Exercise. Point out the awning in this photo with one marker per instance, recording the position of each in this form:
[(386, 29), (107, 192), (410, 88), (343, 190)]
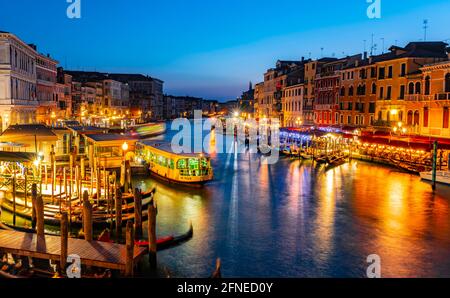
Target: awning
[(17, 156)]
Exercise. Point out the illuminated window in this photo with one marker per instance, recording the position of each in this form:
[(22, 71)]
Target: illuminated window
[(193, 164), (181, 164)]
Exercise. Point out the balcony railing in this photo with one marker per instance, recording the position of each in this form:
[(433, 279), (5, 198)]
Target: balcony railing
[(443, 96), (421, 97)]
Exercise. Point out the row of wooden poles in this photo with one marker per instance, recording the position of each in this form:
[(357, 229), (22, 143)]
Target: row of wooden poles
[(73, 179), (132, 231)]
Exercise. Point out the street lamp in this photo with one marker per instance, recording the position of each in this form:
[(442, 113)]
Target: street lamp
[(125, 146)]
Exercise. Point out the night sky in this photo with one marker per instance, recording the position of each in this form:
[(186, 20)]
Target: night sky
[(213, 48)]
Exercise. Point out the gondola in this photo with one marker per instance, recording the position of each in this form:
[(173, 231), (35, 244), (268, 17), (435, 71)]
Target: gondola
[(99, 221), (335, 161), (101, 217), (169, 241), (321, 159), (161, 243)]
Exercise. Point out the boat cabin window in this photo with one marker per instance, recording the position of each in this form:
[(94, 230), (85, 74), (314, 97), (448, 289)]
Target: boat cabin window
[(181, 164), (193, 164), (194, 167)]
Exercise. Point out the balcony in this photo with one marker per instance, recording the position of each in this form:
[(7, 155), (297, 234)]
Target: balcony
[(443, 96), (420, 97)]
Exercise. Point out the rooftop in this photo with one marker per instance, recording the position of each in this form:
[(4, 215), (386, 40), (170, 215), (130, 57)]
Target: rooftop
[(167, 147), (38, 130), (108, 137)]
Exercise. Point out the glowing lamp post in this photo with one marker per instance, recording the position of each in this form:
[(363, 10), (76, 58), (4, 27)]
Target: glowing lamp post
[(125, 148)]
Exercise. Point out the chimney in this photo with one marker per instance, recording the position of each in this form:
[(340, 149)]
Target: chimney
[(370, 60), (303, 59), (365, 55), (33, 46)]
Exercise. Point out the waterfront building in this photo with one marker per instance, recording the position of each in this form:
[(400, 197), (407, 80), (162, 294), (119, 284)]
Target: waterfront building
[(116, 97), (185, 106), (146, 95), (327, 87), (247, 103), (64, 94), (258, 100), (293, 103), (83, 98), (229, 107), (427, 114), (140, 96), (398, 78), (285, 73), (311, 70), (32, 138), (111, 149), (18, 99), (358, 93), (46, 73)]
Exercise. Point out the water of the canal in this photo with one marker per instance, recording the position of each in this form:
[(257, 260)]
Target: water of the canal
[(292, 220)]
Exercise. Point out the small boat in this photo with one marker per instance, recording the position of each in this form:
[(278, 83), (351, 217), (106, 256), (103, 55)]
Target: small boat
[(169, 241), (441, 176), (408, 167), (321, 159), (161, 243), (335, 161), (149, 130), (98, 221), (306, 156)]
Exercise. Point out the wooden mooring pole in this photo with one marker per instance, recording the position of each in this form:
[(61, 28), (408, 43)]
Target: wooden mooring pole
[(87, 217), (64, 242), (14, 198), (118, 214), (435, 156), (138, 213), (129, 263), (33, 203), (40, 217), (152, 234)]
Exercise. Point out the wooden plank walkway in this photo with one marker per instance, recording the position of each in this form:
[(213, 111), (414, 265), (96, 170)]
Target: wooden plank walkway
[(97, 254)]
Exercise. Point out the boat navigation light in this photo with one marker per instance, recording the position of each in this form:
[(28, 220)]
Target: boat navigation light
[(125, 146)]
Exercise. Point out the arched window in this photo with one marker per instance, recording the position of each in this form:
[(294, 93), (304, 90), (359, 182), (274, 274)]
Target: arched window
[(427, 85), (416, 118), (350, 91), (411, 88), (447, 82), (410, 118), (374, 88), (418, 88), (343, 91)]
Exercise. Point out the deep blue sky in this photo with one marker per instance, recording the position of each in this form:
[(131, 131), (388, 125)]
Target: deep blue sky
[(213, 48)]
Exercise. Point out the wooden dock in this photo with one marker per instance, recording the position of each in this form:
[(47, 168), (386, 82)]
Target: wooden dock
[(93, 253)]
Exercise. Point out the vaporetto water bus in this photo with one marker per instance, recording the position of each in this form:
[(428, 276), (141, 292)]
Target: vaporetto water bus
[(185, 168)]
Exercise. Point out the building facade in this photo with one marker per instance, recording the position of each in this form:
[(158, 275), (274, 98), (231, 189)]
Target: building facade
[(293, 104), (399, 79), (46, 74), (18, 98), (427, 113)]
